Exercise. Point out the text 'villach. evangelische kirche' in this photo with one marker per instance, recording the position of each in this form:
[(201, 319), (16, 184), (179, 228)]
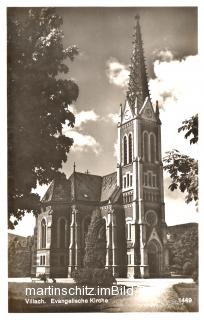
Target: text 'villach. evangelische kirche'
[(131, 200)]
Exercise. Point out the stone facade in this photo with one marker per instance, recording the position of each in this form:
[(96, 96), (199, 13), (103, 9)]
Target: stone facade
[(131, 200)]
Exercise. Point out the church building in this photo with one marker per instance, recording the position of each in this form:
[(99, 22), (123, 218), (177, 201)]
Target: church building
[(130, 200)]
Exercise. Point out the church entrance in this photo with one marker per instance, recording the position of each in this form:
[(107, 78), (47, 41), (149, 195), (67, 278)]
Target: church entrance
[(153, 250)]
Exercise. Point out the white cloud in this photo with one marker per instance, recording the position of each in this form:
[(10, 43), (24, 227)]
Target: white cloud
[(83, 116), (117, 72), (82, 142), (116, 151), (164, 55), (176, 87), (114, 117)]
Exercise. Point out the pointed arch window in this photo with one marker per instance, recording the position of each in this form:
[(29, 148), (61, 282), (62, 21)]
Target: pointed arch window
[(43, 233), (145, 146), (130, 147), (152, 147), (125, 149)]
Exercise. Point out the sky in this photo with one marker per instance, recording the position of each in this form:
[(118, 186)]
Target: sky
[(104, 39)]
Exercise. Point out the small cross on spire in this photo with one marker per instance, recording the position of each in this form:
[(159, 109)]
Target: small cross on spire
[(74, 166)]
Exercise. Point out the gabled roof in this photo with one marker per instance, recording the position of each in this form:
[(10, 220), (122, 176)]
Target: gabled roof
[(59, 190), (84, 187), (109, 184), (87, 186)]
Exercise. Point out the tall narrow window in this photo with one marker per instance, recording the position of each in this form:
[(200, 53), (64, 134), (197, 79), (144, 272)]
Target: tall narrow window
[(129, 231), (152, 148), (130, 147), (145, 179), (145, 146), (43, 234), (125, 149), (131, 180), (62, 233), (128, 180), (150, 179), (129, 259), (154, 181), (124, 182)]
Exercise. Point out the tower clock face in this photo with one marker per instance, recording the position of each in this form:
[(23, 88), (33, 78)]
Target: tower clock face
[(148, 113), (127, 115)]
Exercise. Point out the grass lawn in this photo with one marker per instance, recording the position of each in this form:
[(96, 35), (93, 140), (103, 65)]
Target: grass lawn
[(188, 290)]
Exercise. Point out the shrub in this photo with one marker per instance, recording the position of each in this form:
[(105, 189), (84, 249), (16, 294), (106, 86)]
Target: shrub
[(95, 277), (187, 268), (43, 277)]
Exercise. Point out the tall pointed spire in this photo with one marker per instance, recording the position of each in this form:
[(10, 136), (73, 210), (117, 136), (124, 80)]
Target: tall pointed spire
[(138, 84)]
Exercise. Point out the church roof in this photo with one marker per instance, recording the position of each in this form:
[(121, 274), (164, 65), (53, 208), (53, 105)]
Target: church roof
[(87, 186), (83, 187), (109, 185), (59, 190)]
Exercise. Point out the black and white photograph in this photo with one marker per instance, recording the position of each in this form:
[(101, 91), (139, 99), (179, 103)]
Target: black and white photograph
[(102, 158)]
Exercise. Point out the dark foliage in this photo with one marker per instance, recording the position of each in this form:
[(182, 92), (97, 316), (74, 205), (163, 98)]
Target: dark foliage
[(183, 249), (191, 126), (37, 105), (183, 170)]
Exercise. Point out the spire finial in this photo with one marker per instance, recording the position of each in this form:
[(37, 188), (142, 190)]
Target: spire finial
[(157, 107), (74, 166)]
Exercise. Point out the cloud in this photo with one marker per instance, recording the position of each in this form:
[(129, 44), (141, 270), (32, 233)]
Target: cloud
[(83, 142), (83, 116), (176, 87), (164, 55), (116, 151), (114, 117), (117, 72)]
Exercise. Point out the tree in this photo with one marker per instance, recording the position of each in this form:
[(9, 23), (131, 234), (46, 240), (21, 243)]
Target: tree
[(183, 246), (95, 249), (183, 169), (38, 102)]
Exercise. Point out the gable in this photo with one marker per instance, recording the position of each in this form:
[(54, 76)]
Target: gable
[(147, 111), (154, 236), (127, 113)]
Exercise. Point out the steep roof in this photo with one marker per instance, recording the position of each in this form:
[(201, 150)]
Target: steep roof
[(59, 190), (83, 187), (109, 184), (87, 186)]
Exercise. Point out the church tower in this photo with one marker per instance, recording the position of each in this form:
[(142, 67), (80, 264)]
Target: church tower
[(140, 172)]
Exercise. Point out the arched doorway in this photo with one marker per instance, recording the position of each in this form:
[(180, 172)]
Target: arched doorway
[(154, 252)]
